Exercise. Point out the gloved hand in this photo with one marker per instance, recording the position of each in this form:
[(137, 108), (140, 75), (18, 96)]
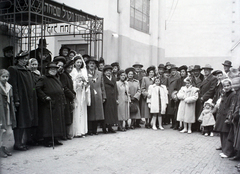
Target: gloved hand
[(48, 98)]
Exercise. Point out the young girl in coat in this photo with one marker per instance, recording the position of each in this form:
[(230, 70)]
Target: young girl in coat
[(157, 102), (188, 96), (7, 111), (207, 118)]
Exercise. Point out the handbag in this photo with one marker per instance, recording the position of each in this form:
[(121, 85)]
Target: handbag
[(133, 108)]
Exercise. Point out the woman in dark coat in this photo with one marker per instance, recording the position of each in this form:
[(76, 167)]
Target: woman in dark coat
[(67, 84), (224, 111), (25, 99), (110, 105), (50, 90)]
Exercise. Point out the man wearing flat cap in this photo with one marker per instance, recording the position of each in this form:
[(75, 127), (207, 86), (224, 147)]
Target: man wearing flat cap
[(44, 57), (7, 60)]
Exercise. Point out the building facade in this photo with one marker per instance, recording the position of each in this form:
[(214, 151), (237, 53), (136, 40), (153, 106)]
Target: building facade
[(133, 30)]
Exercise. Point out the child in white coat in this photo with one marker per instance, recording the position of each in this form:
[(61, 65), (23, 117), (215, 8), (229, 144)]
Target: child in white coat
[(157, 102), (207, 118)]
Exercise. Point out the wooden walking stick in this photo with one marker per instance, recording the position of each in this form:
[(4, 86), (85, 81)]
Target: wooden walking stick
[(50, 103)]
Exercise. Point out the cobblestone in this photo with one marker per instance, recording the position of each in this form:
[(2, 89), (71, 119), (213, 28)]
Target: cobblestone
[(139, 151)]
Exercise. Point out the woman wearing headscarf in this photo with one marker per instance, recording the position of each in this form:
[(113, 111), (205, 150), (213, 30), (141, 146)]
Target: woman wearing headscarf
[(51, 99), (81, 88), (25, 99), (70, 95), (146, 82)]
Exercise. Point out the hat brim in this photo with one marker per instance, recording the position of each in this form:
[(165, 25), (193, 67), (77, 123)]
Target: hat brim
[(138, 65), (89, 60), (226, 65), (207, 68)]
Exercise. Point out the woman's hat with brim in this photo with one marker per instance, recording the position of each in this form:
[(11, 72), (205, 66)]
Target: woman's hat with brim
[(101, 60), (216, 72), (183, 67), (91, 59), (197, 67), (106, 67), (22, 54), (209, 101), (207, 66), (115, 64), (129, 69), (151, 68), (59, 59), (137, 64), (227, 63), (51, 65), (69, 63)]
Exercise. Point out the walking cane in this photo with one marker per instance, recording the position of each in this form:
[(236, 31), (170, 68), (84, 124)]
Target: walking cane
[(50, 103)]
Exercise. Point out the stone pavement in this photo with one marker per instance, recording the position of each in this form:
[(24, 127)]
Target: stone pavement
[(139, 151)]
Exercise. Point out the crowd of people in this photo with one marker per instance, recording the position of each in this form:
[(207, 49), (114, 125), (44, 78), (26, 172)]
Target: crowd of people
[(45, 100)]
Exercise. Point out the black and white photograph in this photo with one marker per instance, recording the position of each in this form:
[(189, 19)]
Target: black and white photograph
[(119, 86)]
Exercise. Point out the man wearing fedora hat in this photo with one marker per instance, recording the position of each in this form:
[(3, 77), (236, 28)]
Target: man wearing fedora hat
[(172, 86), (25, 98), (160, 73), (42, 54), (7, 60), (197, 77), (206, 91), (227, 66)]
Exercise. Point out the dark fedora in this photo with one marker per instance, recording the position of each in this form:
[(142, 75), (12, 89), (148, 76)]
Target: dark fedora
[(59, 58), (183, 67), (8, 48), (52, 65), (174, 67), (227, 63), (22, 54), (197, 67), (207, 66), (216, 72), (69, 63), (161, 66), (106, 67), (115, 64), (137, 64), (91, 59), (151, 68), (129, 69), (42, 41)]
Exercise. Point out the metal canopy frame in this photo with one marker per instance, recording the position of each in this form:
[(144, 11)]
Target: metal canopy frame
[(26, 21)]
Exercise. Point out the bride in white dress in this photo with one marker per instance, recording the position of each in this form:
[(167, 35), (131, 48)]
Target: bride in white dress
[(82, 100)]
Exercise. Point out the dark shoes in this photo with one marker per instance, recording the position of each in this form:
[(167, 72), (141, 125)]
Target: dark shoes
[(20, 147), (235, 158), (56, 142), (2, 154), (219, 148)]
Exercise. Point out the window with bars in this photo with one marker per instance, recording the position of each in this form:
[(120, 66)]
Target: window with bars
[(139, 15)]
